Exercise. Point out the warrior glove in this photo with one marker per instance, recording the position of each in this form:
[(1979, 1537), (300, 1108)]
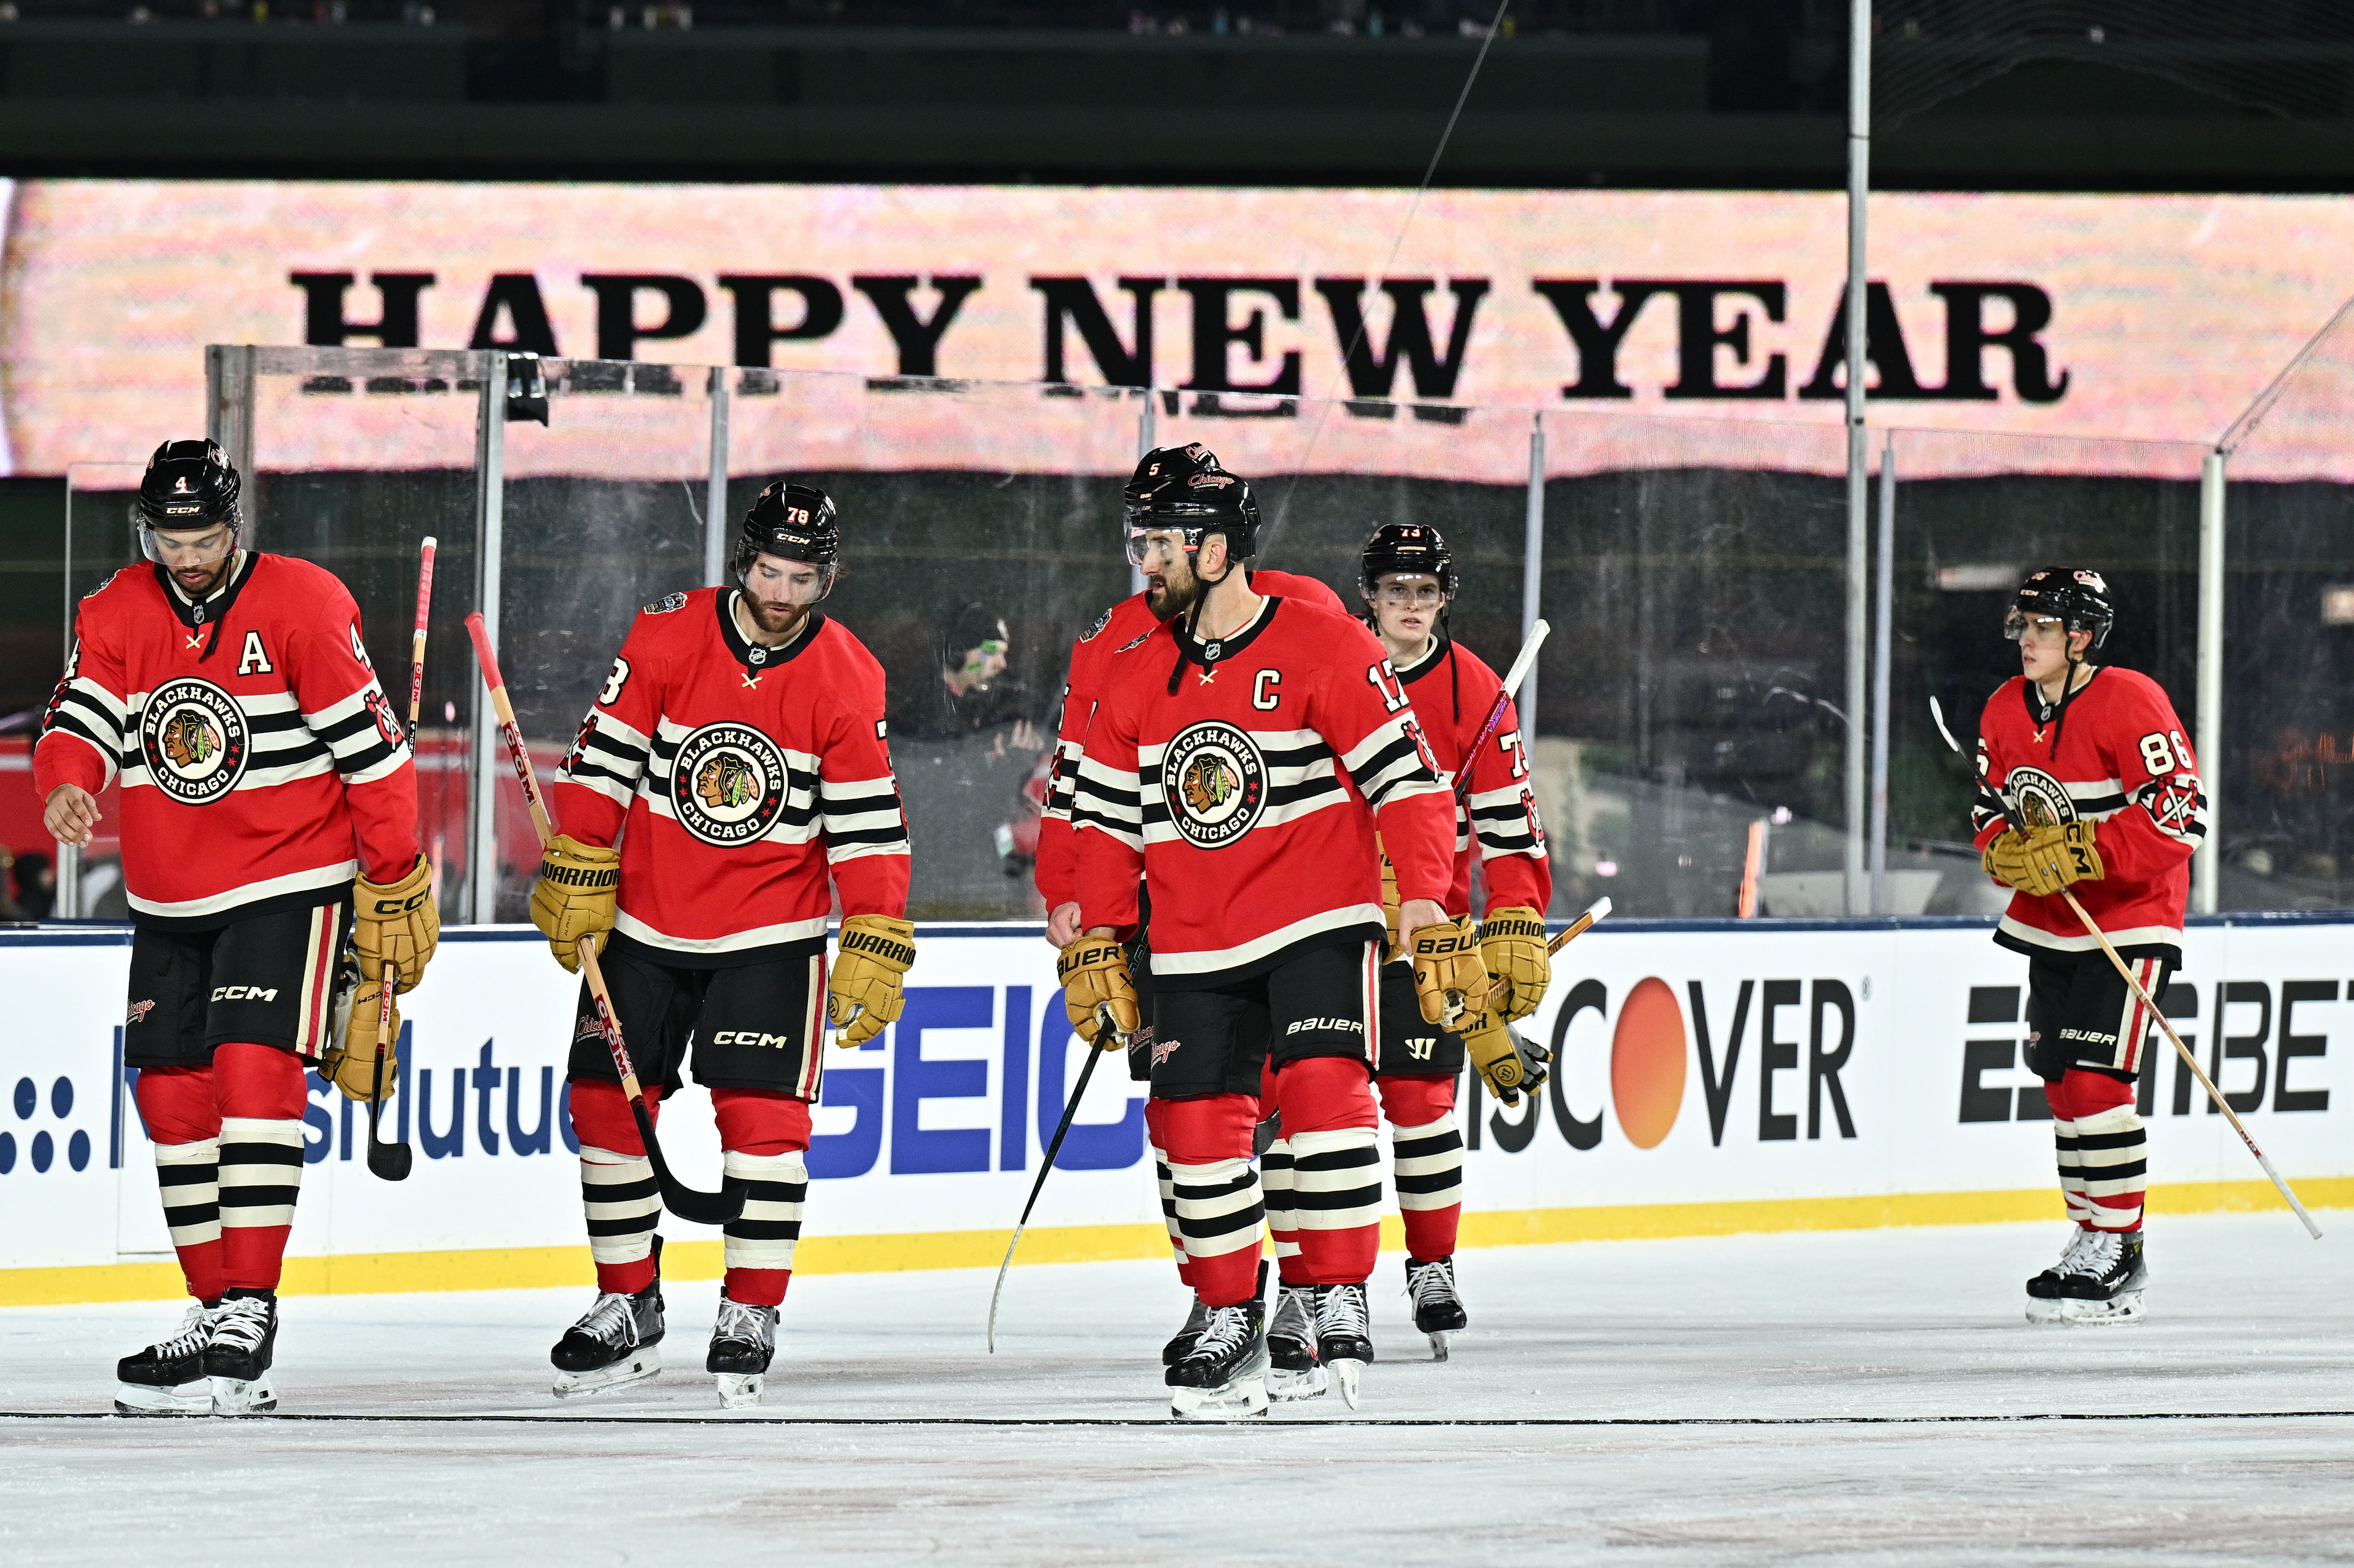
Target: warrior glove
[(862, 993), (575, 896), (1510, 1065), (1097, 993), (1513, 947), (350, 1061), (2049, 858), (396, 923), (1450, 976)]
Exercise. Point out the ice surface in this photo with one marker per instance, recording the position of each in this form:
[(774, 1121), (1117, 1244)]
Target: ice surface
[(1851, 1398)]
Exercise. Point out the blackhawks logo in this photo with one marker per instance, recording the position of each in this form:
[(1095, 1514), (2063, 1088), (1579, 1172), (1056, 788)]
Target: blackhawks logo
[(727, 784), (1214, 782), (2043, 800), (195, 741)]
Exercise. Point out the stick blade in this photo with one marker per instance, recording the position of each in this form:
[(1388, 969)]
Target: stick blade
[(703, 1208), (389, 1162)]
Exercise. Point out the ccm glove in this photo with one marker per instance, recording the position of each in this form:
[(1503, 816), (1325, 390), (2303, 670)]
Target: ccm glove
[(578, 884), (862, 993), (2047, 859), (350, 1061), (1450, 976), (1513, 947), (1096, 992), (1510, 1065), (396, 922)]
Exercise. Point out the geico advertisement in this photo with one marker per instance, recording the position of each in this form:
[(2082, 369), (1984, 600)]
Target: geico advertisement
[(1693, 1067), (2157, 318)]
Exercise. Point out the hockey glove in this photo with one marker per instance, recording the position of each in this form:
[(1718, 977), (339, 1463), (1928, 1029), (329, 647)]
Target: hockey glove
[(350, 1063), (1390, 907), (578, 884), (1513, 947), (862, 993), (2050, 857), (1450, 976), (396, 922), (1097, 993), (1509, 1064)]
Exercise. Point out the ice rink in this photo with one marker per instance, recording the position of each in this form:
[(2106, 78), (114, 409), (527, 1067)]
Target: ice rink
[(1870, 1396)]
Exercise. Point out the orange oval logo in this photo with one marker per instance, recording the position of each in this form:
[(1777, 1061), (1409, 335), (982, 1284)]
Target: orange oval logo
[(1647, 1062)]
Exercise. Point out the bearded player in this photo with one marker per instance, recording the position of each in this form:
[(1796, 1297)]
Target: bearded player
[(2093, 761), (1240, 759), (268, 841), (740, 742)]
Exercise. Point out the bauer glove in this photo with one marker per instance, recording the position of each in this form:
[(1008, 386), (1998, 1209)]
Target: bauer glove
[(2047, 859), (862, 992), (1513, 947), (1097, 993), (575, 896), (397, 922), (1450, 976), (1510, 1064), (350, 1062)]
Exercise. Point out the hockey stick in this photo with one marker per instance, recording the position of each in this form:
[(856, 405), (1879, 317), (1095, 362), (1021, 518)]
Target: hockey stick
[(697, 1208), (2018, 824), (1512, 679), (417, 644), (1598, 910), (391, 1161), (1037, 1187)]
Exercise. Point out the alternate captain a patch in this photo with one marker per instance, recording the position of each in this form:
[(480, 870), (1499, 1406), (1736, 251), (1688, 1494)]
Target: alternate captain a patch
[(1214, 782)]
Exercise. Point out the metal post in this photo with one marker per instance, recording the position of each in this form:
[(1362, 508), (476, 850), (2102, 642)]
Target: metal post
[(1858, 183), (1147, 438), (2205, 864), (1884, 590), (229, 418), (483, 784), (69, 890), (714, 506), (1531, 576)]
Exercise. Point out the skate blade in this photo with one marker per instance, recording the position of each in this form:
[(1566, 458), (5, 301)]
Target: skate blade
[(2043, 1309), (235, 1396), (191, 1398), (636, 1368), (1438, 1345), (1240, 1400), (740, 1390), (2123, 1308), (1348, 1374), (1284, 1384)]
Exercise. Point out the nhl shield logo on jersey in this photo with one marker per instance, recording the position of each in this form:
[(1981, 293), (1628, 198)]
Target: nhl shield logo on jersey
[(2043, 800), (1214, 782), (727, 784), (194, 738)]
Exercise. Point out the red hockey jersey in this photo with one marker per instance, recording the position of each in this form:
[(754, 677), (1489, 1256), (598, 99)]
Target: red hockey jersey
[(262, 766), (1247, 796), (1452, 689), (736, 778), (2117, 756), (1116, 630)]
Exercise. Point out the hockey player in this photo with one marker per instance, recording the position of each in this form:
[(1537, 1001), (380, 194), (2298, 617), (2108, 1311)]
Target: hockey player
[(738, 756), (2094, 762), (1408, 580), (269, 854), (1239, 759)]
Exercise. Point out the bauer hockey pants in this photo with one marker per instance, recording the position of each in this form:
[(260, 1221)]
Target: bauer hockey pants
[(229, 1158)]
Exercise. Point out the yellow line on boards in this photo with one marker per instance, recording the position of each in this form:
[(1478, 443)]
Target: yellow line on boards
[(521, 1268)]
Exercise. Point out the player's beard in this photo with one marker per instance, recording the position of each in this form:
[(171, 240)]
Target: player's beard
[(777, 620), (197, 582), (1169, 598)]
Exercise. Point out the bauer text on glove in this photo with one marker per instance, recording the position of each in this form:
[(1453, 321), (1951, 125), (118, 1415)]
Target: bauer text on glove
[(1450, 976), (1096, 992)]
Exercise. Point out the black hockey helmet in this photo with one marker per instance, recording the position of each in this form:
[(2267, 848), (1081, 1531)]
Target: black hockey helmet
[(1415, 547), (189, 484), (795, 522), (2078, 598), (1186, 488)]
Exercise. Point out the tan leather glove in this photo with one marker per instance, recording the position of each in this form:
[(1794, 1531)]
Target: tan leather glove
[(1390, 907), (350, 1062), (1513, 947), (1097, 993), (871, 959), (396, 922), (2050, 857), (1510, 1065), (579, 887), (1450, 976)]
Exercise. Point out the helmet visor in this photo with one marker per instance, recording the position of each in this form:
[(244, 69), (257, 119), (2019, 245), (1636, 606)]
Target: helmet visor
[(774, 579), (1154, 549), (2019, 623), (180, 549)]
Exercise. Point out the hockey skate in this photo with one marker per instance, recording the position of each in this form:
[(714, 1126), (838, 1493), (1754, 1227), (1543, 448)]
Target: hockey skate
[(743, 1343), (169, 1377), (1293, 1371), (238, 1355), (2107, 1283), (1223, 1376), (1343, 1336), (1437, 1309), (2044, 1291), (1195, 1321), (612, 1346)]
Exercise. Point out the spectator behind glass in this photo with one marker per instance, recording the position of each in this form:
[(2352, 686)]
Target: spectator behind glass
[(970, 694), (37, 884)]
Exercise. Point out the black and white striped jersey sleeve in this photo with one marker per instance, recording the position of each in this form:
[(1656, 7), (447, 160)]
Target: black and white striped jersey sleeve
[(83, 708), (1111, 800)]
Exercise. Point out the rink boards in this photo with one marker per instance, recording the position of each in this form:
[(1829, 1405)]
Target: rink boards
[(1715, 1076)]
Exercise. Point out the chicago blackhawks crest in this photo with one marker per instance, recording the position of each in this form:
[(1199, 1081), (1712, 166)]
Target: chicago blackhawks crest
[(2043, 800), (727, 784), (1214, 782), (195, 740)]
